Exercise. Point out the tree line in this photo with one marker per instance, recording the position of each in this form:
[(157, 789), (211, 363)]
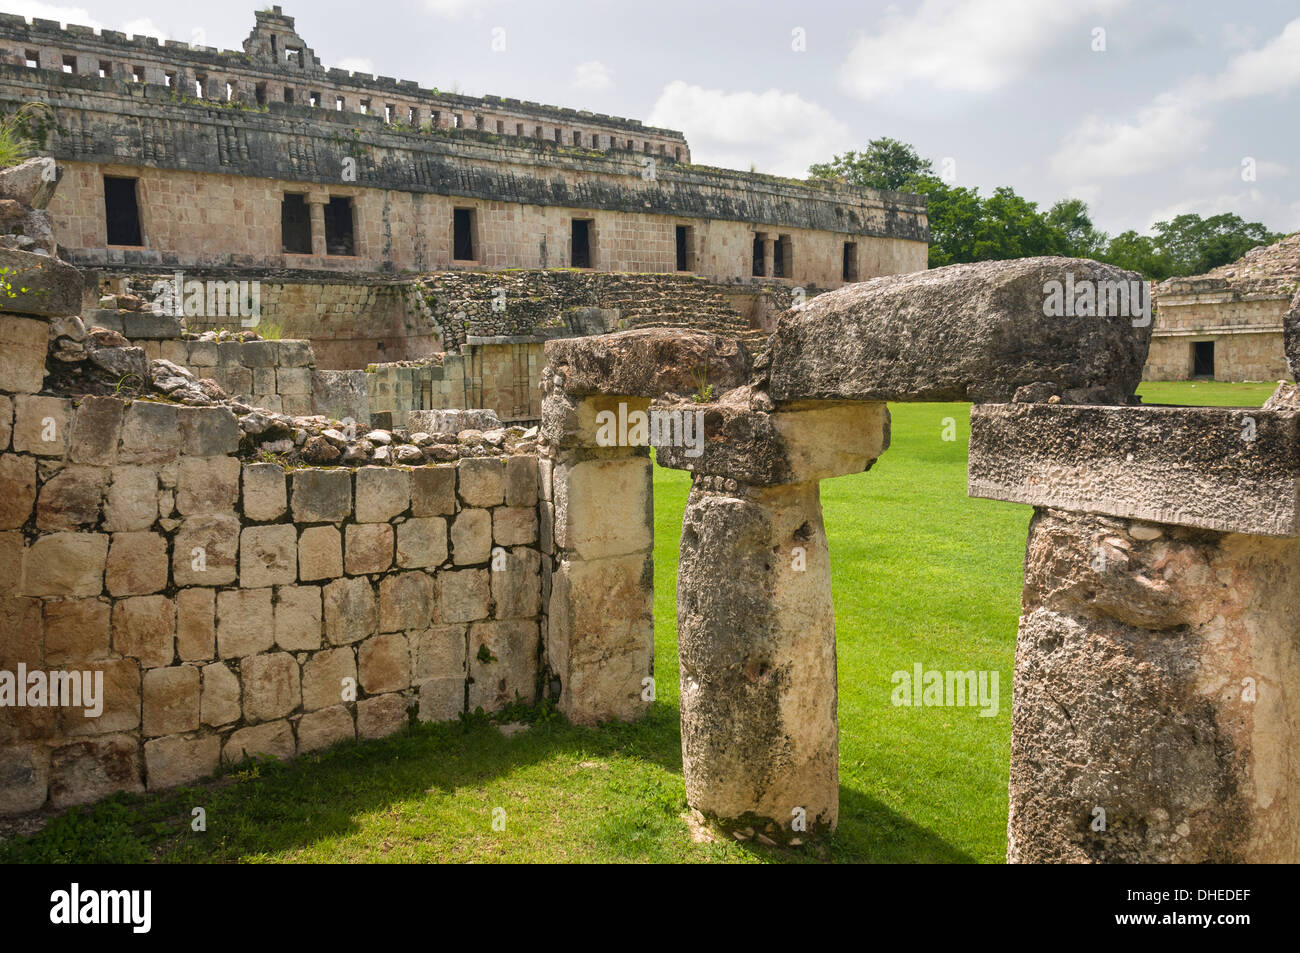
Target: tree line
[(966, 226)]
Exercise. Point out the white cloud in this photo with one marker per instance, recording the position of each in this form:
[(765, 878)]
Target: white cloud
[(964, 45), (1252, 204), (52, 11), (144, 27), (455, 9), (1163, 134), (357, 64), (781, 133), (593, 75)]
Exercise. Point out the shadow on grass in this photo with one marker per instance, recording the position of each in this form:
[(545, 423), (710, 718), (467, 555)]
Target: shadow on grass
[(437, 776)]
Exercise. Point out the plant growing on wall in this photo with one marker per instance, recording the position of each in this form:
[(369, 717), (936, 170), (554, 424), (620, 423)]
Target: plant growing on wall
[(704, 390), (23, 131)]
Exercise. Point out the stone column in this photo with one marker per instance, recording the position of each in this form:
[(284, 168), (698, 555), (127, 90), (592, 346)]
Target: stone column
[(769, 258), (598, 504), (1158, 665), (316, 202), (755, 620)]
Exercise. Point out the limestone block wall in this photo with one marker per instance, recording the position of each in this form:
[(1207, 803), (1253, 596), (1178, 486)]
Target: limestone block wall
[(233, 608), (500, 377)]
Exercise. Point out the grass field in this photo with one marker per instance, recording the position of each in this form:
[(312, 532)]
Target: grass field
[(922, 574)]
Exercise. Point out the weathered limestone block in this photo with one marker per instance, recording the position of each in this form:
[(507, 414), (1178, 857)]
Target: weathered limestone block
[(323, 677), (382, 493), (178, 759), (757, 647), (647, 362), (150, 433), (439, 652), (351, 610), (514, 525), (42, 425), (516, 585), (482, 481), (405, 601), (502, 663), (600, 636), (521, 481), (964, 332), (320, 553), (433, 491), (384, 664), (471, 537), (204, 551), (76, 630), (70, 500), (137, 564), (273, 739), (380, 716), (209, 431), (321, 496), (144, 628), (245, 622), (268, 556), (196, 624), (18, 477), (298, 618), (320, 729), (264, 491), (23, 346), (65, 564), (207, 485), (748, 439), (270, 683), (451, 421), (91, 770), (219, 704), (421, 542), (462, 595), (1290, 336), (604, 507), (40, 284), (24, 778), (131, 502), (369, 548), (96, 429), (1221, 468), (121, 700), (171, 700), (441, 699), (1156, 678)]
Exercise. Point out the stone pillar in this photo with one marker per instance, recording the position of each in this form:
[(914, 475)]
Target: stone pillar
[(316, 202), (598, 504), (1157, 676), (755, 620), (1158, 665), (769, 258), (756, 640)]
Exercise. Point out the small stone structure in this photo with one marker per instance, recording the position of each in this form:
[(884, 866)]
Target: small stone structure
[(1227, 323)]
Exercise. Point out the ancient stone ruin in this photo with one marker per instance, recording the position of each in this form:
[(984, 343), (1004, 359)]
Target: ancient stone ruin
[(212, 545)]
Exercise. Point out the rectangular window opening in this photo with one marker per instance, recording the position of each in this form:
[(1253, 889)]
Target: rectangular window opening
[(758, 270), (389, 109), (137, 74), (580, 254), (200, 81), (339, 227), (288, 94), (338, 104), (33, 59), (295, 225), (169, 80), (260, 92), (70, 64), (519, 129), (122, 211), (413, 116), (462, 245), (314, 98), (105, 69)]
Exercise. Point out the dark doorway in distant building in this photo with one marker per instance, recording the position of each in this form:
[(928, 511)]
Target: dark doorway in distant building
[(338, 227), (462, 234), (685, 248), (1203, 359), (295, 225), (121, 211), (581, 243)]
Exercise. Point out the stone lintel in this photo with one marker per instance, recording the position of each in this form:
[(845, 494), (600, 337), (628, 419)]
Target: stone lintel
[(647, 362), (747, 438), (1229, 469)]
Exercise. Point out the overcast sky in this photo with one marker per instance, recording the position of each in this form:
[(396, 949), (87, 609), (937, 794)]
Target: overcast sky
[(1143, 108)]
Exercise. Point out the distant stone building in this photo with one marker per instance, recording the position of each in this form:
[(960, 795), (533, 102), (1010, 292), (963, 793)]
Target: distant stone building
[(191, 157), (1227, 323)]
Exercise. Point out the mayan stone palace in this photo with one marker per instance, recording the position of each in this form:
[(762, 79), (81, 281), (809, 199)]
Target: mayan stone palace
[(327, 403)]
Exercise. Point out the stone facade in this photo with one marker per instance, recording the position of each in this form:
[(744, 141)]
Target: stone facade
[(1227, 324), (214, 179)]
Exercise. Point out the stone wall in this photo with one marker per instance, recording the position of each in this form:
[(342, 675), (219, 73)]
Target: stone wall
[(235, 608)]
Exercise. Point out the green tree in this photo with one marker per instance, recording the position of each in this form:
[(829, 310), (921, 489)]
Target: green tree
[(1078, 237), (1195, 245), (885, 164)]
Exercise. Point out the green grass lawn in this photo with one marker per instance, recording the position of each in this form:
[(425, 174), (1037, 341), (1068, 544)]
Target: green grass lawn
[(922, 574)]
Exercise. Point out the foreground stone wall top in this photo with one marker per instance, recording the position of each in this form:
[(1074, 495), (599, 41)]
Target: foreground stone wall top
[(977, 332)]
